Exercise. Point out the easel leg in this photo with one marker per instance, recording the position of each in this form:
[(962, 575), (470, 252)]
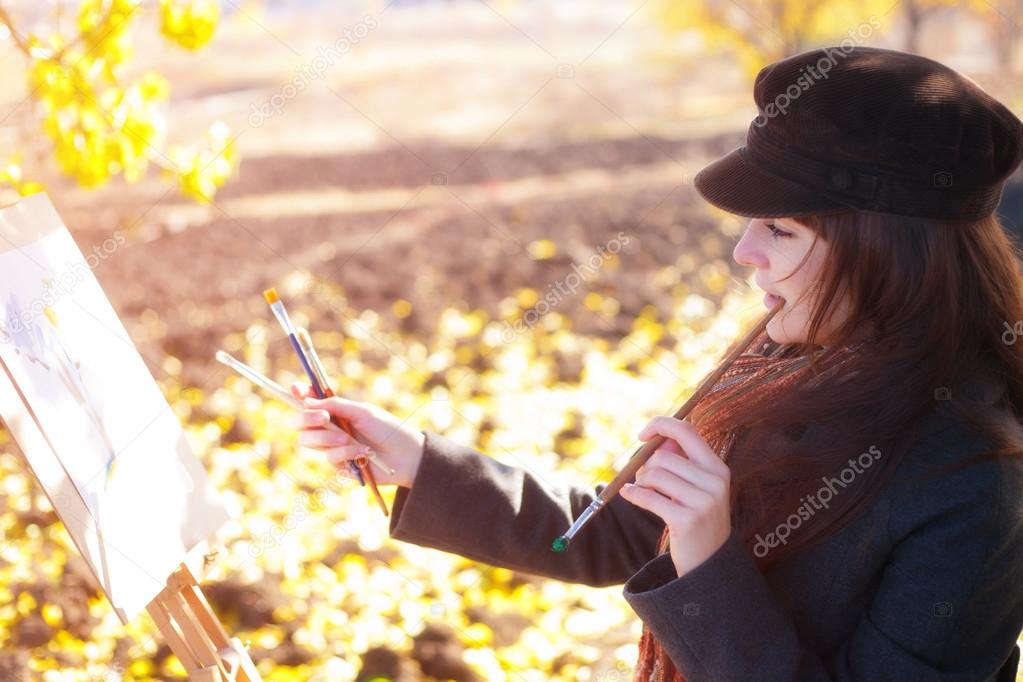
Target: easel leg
[(196, 637), (172, 635), (196, 600)]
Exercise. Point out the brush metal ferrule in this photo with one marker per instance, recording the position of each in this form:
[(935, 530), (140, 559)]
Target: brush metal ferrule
[(583, 518), (306, 341), (281, 313)]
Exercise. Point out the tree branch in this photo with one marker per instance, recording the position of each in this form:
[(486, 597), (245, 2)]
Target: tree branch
[(19, 41)]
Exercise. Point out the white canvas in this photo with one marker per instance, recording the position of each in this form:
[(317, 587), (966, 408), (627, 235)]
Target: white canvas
[(90, 419)]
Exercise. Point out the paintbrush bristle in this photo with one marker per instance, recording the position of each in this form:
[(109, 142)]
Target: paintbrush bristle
[(224, 357), (271, 295)]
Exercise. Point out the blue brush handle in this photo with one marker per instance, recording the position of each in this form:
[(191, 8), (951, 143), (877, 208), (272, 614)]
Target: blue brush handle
[(318, 390)]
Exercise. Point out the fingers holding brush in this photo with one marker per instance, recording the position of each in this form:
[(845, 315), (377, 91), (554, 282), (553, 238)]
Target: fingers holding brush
[(320, 438), (318, 433), (702, 487), (687, 485), (686, 440), (395, 449), (341, 455)]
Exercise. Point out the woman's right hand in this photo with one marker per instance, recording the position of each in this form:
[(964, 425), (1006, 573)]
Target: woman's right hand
[(393, 445)]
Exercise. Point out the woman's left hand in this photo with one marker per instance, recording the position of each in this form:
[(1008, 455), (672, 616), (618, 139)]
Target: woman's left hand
[(686, 484)]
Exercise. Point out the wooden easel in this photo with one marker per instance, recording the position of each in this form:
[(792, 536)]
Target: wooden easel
[(181, 611), (194, 634)]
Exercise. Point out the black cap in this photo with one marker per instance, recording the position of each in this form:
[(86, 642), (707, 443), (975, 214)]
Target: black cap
[(871, 129)]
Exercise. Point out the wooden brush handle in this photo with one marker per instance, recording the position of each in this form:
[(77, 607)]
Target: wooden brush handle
[(643, 452)]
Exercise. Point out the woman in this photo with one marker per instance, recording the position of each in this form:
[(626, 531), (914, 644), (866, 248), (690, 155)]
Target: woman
[(846, 503)]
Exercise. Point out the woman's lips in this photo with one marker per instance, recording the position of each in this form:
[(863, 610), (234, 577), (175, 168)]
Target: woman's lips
[(770, 300)]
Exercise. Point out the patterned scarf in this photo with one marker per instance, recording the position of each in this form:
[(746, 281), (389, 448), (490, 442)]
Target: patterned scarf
[(764, 371)]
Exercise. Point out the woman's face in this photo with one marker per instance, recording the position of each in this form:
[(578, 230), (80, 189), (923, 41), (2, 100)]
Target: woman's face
[(775, 247)]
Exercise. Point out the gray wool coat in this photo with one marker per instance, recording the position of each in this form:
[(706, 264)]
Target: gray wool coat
[(935, 596)]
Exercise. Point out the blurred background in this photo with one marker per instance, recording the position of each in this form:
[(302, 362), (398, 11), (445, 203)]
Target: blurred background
[(483, 211)]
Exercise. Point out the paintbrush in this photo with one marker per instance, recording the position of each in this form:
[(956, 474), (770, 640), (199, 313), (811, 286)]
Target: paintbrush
[(642, 453), (279, 391), (260, 380), (306, 342), (281, 313)]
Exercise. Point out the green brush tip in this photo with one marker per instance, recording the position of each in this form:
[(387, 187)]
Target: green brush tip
[(560, 544)]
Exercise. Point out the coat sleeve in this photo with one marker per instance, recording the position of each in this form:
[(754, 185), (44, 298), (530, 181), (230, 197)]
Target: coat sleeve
[(468, 503), (948, 605)]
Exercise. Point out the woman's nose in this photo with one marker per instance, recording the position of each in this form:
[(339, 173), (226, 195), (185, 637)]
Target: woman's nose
[(748, 252)]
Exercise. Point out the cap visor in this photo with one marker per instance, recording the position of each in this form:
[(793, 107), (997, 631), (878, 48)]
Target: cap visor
[(736, 184)]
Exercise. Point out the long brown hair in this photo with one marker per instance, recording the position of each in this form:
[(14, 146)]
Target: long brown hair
[(935, 299)]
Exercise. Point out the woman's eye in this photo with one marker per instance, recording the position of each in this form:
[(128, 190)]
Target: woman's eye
[(776, 232)]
